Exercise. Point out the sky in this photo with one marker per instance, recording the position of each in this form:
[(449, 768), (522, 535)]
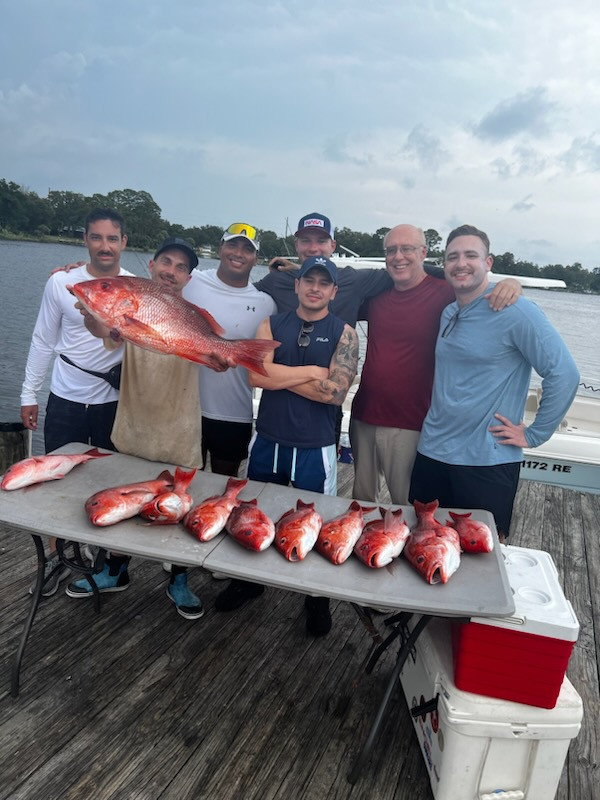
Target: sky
[(431, 112)]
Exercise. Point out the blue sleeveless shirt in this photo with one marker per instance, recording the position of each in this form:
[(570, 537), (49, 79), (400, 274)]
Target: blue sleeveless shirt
[(284, 416)]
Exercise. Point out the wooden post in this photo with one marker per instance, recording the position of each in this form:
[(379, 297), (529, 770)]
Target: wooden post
[(13, 444)]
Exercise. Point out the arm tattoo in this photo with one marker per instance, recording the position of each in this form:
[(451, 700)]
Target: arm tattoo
[(343, 367)]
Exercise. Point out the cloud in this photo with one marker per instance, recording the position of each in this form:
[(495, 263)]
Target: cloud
[(583, 155), (523, 205), (426, 147), (527, 112)]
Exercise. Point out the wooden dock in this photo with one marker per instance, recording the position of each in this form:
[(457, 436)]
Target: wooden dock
[(137, 703)]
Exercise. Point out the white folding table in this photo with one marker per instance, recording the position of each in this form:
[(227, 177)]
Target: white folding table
[(479, 588)]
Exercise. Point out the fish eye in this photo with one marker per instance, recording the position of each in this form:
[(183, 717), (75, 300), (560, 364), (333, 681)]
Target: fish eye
[(105, 285)]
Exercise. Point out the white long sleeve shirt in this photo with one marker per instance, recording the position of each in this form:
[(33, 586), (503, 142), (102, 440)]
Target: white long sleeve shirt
[(60, 329)]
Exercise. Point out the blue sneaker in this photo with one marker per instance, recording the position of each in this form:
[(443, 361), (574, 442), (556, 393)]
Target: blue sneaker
[(104, 581), (188, 605)]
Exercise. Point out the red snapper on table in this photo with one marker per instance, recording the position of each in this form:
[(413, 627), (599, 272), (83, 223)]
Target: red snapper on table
[(297, 530), (39, 469), (209, 517), (383, 539)]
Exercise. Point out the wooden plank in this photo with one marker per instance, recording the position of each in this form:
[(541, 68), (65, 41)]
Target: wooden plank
[(139, 703)]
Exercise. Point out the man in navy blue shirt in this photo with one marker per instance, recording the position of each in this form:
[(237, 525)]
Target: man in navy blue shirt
[(309, 375)]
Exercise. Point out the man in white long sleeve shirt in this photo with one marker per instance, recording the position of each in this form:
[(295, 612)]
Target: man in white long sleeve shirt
[(81, 407)]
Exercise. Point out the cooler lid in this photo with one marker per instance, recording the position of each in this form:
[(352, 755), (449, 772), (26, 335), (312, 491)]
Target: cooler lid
[(540, 604)]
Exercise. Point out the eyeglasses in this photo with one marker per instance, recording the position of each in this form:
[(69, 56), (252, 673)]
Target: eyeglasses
[(303, 337), (451, 323), (405, 249), (242, 229)]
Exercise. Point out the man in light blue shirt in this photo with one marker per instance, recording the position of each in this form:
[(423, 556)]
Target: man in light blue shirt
[(470, 448)]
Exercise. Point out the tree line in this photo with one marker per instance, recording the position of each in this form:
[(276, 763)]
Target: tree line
[(62, 214)]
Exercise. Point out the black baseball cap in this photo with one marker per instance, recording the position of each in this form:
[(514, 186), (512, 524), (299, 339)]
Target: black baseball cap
[(175, 242)]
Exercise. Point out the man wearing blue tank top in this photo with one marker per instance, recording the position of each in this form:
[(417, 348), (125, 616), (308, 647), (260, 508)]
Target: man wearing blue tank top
[(309, 375)]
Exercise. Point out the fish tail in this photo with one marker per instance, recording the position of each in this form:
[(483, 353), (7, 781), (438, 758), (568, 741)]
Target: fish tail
[(236, 483), (424, 508), (95, 453), (183, 479), (250, 353)]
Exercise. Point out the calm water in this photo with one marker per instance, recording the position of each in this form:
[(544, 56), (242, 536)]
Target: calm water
[(25, 266)]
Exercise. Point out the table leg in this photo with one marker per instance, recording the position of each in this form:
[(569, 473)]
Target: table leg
[(407, 646), (75, 563), (35, 601)]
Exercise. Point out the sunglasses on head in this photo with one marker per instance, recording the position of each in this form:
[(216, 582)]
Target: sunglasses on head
[(303, 337), (242, 229)]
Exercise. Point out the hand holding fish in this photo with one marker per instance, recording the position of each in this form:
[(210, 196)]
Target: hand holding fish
[(509, 432)]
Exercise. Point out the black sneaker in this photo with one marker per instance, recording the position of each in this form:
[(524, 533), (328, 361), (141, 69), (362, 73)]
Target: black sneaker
[(236, 594), (318, 616)]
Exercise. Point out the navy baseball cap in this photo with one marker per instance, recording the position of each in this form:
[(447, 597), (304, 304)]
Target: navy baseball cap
[(315, 222), (319, 262), (175, 242)]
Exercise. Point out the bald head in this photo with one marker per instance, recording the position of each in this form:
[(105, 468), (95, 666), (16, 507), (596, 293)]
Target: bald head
[(405, 250), (406, 230)]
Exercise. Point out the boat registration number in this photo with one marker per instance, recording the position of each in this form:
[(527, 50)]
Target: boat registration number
[(545, 466)]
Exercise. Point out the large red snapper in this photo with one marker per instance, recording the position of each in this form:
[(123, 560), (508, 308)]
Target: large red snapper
[(122, 502), (297, 530), (171, 507), (475, 536), (209, 517), (432, 548), (250, 526), (433, 554), (147, 314), (383, 539), (38, 469), (339, 535)]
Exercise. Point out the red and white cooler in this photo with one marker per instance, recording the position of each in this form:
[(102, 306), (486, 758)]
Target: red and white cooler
[(523, 657), (481, 748)]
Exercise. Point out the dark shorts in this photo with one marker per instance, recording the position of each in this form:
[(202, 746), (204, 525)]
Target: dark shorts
[(225, 441), (455, 486), (305, 468), (67, 421)]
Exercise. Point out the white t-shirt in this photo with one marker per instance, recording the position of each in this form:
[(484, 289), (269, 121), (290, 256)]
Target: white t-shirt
[(227, 395), (59, 329)]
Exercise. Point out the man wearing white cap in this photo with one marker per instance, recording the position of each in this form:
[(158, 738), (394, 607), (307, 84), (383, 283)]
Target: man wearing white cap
[(226, 398)]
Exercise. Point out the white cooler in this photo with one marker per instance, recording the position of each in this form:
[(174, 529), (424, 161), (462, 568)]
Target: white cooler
[(480, 748)]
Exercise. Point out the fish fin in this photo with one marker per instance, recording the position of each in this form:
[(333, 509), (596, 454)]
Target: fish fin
[(455, 516), (250, 353), (165, 475), (208, 317), (183, 479), (253, 502), (140, 328), (95, 453), (356, 506), (302, 504)]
